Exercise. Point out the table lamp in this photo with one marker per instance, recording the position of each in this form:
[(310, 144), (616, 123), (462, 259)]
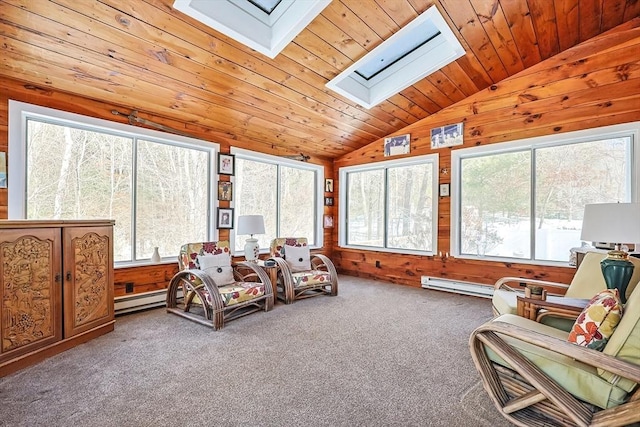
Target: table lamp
[(615, 223), (251, 224)]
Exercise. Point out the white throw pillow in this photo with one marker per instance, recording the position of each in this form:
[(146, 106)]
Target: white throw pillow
[(298, 257), (218, 267)]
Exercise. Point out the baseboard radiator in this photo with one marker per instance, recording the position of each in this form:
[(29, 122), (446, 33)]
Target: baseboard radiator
[(457, 286), (142, 301)]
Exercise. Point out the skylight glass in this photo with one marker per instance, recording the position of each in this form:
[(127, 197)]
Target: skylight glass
[(267, 26), (388, 55), (266, 6), (423, 46)]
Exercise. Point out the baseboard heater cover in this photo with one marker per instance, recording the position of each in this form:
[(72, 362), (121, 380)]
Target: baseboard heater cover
[(142, 301), (457, 286)]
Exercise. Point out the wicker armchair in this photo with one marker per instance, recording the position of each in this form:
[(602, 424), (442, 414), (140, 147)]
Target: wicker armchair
[(535, 377), (305, 276), (195, 295), (587, 281)]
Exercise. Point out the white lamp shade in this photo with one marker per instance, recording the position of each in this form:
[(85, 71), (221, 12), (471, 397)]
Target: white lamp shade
[(250, 224), (615, 223)]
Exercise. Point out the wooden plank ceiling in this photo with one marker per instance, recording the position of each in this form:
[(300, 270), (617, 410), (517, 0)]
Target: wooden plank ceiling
[(144, 55)]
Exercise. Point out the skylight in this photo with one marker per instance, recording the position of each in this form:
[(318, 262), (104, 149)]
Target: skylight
[(425, 45), (264, 25)]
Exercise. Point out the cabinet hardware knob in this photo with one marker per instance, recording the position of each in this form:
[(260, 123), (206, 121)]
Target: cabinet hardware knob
[(57, 278), (68, 276)]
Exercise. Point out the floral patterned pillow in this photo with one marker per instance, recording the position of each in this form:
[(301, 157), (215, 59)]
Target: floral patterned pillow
[(598, 320)]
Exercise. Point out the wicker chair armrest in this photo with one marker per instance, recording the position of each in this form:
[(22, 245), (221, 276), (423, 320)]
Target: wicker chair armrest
[(585, 355), (322, 262), (249, 270), (207, 282), (502, 283)]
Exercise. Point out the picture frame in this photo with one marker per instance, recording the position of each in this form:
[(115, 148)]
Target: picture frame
[(328, 185), (395, 145), (225, 218), (327, 221), (226, 164), (447, 136), (444, 190), (3, 169), (328, 201), (225, 191)]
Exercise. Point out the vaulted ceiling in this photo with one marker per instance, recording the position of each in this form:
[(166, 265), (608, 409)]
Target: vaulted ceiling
[(144, 55)]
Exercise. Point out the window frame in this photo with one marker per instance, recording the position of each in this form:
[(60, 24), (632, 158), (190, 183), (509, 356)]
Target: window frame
[(255, 156), (21, 112), (631, 130), (406, 161)]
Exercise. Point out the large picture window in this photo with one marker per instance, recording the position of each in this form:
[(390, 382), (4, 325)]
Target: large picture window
[(155, 186), (525, 199), (287, 193), (390, 205)]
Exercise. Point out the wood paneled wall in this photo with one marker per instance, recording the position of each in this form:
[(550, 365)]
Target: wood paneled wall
[(146, 278), (596, 83)]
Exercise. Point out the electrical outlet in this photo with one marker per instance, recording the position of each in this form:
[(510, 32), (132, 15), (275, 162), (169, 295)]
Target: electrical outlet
[(128, 287), (378, 264)]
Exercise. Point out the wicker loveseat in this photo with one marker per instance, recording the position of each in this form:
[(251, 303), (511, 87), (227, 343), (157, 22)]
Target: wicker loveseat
[(193, 293), (303, 275)]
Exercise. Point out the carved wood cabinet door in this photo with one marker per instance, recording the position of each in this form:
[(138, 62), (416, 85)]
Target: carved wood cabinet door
[(88, 278), (30, 292)]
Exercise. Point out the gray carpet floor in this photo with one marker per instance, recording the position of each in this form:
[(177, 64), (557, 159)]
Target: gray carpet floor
[(378, 354)]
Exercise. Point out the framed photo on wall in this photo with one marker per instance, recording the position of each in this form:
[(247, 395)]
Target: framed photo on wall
[(226, 164), (225, 190), (328, 221), (328, 185), (225, 218), (328, 201)]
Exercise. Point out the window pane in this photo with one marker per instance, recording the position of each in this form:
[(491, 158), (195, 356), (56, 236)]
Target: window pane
[(171, 196), (410, 199), (256, 193), (80, 174), (297, 203), (495, 204), (567, 178), (365, 208)]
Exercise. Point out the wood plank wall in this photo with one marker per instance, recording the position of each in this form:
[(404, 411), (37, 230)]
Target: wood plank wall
[(144, 278), (596, 83)]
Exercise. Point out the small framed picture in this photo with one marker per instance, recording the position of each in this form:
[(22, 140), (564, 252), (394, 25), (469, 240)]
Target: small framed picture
[(395, 145), (328, 221), (226, 164), (444, 190), (328, 201), (225, 217), (328, 186), (225, 190)]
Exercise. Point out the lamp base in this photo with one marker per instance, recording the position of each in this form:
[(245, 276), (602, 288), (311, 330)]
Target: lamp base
[(252, 249), (617, 271)]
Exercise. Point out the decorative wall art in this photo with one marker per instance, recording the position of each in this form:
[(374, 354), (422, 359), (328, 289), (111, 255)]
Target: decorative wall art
[(225, 191), (328, 221), (3, 169), (225, 217), (226, 164), (395, 145), (328, 185), (328, 201), (446, 136)]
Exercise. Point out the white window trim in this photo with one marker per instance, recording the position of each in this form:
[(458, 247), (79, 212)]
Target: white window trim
[(20, 112), (268, 158), (581, 136), (407, 161)]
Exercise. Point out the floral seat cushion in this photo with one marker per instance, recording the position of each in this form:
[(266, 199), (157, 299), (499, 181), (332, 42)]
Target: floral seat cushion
[(238, 292), (310, 278)]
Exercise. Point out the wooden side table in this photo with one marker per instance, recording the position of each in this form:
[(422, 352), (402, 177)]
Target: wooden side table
[(272, 271), (569, 308)]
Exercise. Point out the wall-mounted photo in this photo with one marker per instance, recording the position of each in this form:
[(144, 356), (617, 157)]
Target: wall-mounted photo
[(328, 221), (328, 185), (328, 201), (225, 218), (225, 191), (446, 136), (226, 164), (395, 145), (3, 169)]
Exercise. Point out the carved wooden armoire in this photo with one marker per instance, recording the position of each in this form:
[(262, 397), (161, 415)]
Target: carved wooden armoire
[(56, 287)]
